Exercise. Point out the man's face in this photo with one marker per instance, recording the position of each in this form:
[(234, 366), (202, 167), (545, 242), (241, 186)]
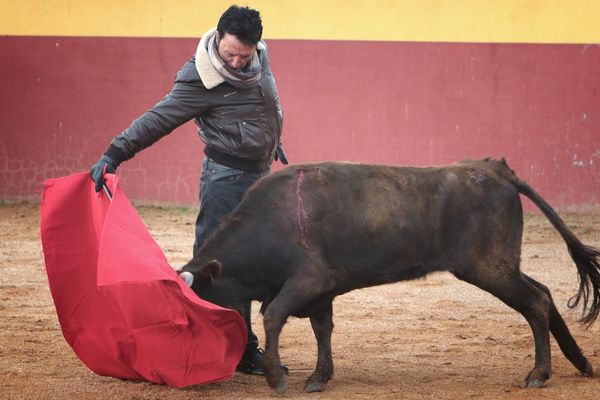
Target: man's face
[(235, 53)]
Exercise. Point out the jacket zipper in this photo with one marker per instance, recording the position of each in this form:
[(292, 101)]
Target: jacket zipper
[(271, 115)]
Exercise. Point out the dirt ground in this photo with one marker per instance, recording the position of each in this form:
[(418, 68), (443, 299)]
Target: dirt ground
[(433, 338)]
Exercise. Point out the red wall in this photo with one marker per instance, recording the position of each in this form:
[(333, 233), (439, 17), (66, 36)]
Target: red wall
[(62, 100)]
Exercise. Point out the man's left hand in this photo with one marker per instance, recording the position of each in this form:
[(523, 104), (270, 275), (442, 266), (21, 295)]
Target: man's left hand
[(280, 154)]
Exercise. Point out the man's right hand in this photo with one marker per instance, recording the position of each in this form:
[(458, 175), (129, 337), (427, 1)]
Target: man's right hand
[(105, 165)]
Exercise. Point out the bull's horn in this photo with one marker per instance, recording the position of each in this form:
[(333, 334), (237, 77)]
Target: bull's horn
[(187, 277)]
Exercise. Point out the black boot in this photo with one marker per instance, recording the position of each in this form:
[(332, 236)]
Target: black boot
[(252, 362)]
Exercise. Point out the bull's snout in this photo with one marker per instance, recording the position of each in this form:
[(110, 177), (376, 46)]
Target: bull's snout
[(187, 277)]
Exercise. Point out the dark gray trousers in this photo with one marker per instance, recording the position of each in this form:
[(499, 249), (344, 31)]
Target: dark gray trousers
[(221, 190)]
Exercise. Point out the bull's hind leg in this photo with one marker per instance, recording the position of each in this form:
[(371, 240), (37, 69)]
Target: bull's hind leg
[(517, 292), (563, 337), (322, 324)]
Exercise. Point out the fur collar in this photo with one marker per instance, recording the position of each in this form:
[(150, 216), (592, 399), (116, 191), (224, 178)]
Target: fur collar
[(209, 75)]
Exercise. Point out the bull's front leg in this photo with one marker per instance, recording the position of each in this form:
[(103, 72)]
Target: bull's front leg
[(273, 321), (322, 324), (295, 295)]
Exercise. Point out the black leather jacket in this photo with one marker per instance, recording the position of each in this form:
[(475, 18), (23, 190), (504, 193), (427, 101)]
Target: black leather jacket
[(239, 127)]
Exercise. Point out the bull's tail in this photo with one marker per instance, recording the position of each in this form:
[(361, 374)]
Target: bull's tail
[(585, 257)]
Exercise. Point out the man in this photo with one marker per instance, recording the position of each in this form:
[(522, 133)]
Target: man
[(230, 92)]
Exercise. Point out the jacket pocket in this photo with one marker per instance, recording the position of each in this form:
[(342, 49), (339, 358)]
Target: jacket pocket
[(256, 142), (239, 112)]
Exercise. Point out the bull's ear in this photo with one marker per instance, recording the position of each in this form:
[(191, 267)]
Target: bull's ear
[(209, 272)]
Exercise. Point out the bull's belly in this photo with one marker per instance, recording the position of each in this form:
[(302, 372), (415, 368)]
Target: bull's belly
[(374, 276), (361, 279)]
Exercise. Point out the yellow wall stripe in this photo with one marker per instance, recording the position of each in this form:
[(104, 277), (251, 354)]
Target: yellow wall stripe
[(519, 21)]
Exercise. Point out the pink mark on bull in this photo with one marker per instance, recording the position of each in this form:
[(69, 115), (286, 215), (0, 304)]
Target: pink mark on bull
[(301, 214)]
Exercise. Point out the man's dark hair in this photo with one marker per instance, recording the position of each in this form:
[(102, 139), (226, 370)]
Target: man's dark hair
[(243, 22)]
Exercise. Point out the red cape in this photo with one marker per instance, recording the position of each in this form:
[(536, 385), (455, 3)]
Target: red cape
[(122, 308)]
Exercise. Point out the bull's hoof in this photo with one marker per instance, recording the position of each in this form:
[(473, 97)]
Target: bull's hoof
[(535, 384), (588, 370), (282, 385), (537, 378), (313, 386)]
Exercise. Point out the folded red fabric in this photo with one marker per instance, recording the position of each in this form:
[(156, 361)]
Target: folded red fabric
[(121, 306)]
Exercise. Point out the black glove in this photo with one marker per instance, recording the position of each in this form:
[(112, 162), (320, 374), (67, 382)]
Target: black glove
[(106, 165), (280, 154)]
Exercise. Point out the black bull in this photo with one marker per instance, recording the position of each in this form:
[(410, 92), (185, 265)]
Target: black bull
[(309, 233)]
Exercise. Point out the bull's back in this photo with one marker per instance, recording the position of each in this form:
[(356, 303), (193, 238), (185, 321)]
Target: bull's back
[(399, 221)]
